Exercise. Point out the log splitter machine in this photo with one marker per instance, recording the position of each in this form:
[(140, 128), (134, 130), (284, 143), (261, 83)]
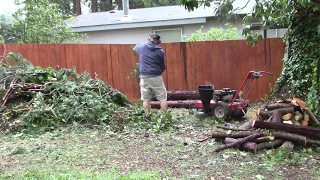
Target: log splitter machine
[(226, 103)]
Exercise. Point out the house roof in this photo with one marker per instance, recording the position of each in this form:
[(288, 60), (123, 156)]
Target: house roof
[(145, 17)]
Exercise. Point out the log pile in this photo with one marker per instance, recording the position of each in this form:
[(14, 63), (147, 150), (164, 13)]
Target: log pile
[(178, 99), (285, 124)]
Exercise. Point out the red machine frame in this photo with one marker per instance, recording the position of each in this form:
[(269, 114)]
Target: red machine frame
[(239, 104)]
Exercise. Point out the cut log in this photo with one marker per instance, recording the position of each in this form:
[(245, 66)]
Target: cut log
[(287, 117), (298, 116), (312, 117), (305, 120), (307, 131), (291, 137), (251, 146), (284, 101), (263, 114), (304, 106), (263, 139), (248, 125), (279, 106), (313, 142), (270, 145), (295, 122), (287, 122), (223, 135), (266, 114), (239, 141), (182, 95), (174, 104), (277, 116)]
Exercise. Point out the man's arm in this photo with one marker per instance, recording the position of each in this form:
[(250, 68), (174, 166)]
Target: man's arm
[(137, 48), (163, 60)]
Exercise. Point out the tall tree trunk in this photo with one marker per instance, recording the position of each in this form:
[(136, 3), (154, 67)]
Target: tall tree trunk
[(94, 6), (77, 5)]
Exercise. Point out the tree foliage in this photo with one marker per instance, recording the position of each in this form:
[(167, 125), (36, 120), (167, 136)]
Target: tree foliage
[(40, 21), (65, 6), (230, 33), (7, 33), (302, 19)]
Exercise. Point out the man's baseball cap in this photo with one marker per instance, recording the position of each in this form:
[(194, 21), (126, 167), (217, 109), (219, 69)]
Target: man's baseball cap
[(155, 36)]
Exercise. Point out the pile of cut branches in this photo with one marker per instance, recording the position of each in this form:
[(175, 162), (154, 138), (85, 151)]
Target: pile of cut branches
[(34, 97), (286, 124)]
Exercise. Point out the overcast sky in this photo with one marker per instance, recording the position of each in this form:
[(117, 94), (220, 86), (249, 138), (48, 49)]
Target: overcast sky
[(7, 6)]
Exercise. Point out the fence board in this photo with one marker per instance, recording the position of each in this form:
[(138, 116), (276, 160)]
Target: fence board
[(165, 73), (221, 63), (170, 65), (207, 68), (62, 56), (116, 66)]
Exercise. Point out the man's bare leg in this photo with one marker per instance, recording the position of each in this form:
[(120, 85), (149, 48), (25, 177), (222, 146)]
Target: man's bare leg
[(164, 105), (146, 107)]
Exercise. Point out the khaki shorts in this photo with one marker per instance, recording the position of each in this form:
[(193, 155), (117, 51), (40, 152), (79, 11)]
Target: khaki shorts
[(150, 85)]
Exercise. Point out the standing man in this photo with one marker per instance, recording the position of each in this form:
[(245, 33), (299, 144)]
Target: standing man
[(152, 65)]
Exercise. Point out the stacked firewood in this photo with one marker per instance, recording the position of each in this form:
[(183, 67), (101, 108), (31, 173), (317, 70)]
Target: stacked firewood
[(285, 123)]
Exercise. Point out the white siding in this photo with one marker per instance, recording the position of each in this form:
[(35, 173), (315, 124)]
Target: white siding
[(121, 36), (139, 35)]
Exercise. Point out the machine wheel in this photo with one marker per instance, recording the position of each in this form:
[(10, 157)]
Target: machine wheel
[(221, 110)]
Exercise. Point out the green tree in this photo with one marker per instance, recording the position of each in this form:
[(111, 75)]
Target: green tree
[(212, 34), (7, 33), (65, 6), (40, 21), (300, 73)]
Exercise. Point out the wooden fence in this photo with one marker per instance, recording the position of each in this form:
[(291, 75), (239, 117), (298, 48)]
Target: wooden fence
[(221, 63)]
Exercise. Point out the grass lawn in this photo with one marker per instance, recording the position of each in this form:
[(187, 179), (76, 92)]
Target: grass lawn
[(77, 152)]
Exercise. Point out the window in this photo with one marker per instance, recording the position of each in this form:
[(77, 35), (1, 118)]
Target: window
[(170, 35)]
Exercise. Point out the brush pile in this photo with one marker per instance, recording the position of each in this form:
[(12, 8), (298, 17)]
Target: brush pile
[(285, 124), (33, 97)]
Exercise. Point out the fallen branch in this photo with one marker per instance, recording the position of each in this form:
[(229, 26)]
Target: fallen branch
[(222, 135), (239, 142), (301, 130), (174, 104), (270, 145), (204, 139), (279, 106), (251, 146)]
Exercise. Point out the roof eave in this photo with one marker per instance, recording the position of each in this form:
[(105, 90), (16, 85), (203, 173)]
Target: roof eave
[(140, 24)]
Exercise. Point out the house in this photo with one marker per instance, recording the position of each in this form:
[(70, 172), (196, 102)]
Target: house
[(132, 26)]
